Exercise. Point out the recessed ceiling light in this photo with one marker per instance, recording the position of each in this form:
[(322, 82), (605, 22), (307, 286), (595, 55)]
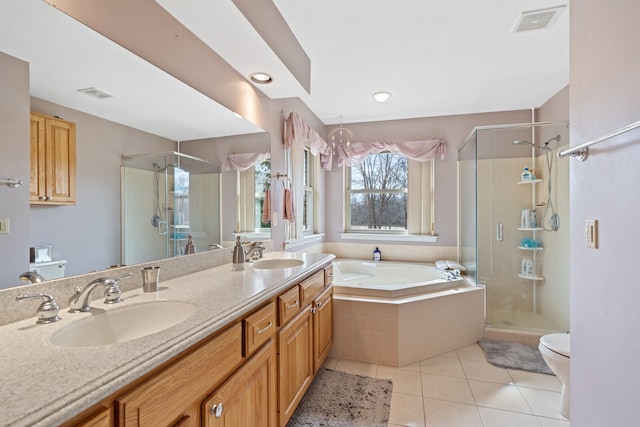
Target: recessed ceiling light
[(381, 96), (97, 93), (261, 78)]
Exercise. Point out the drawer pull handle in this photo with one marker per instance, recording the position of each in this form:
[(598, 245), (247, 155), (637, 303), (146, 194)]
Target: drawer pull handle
[(329, 274), (265, 328), (313, 310), (319, 304), (295, 304), (216, 410)]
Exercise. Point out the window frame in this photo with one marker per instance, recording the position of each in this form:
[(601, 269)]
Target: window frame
[(420, 210)]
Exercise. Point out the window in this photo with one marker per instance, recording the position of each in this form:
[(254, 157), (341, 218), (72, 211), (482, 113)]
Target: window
[(307, 202), (262, 178), (388, 193)]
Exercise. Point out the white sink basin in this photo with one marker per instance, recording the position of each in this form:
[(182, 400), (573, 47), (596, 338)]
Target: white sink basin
[(271, 264), (123, 324)]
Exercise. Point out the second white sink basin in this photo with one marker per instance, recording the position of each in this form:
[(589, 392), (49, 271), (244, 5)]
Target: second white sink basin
[(276, 263), (123, 324)]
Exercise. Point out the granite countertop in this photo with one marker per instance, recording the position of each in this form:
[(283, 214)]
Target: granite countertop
[(43, 385)]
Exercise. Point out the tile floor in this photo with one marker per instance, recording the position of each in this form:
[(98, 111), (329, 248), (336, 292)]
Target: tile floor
[(461, 389)]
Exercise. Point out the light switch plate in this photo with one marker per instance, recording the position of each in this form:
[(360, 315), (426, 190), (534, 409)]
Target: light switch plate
[(591, 233), (4, 225)]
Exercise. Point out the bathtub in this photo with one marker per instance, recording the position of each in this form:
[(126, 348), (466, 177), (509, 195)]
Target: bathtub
[(389, 279), (397, 314)]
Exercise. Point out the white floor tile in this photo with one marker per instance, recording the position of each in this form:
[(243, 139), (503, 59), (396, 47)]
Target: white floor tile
[(544, 403), (357, 368), (446, 388), (330, 363), (406, 410), (441, 413), (451, 355), (549, 422), (406, 382), (485, 371), (472, 352), (499, 396), (442, 366), (414, 367), (533, 380), (499, 418)]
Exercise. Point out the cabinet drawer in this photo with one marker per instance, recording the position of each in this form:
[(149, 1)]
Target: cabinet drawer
[(259, 327), (311, 287), (288, 305), (163, 398), (328, 275)]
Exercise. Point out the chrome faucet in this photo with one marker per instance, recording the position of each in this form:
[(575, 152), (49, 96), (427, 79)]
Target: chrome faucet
[(47, 311), (254, 253), (80, 300)]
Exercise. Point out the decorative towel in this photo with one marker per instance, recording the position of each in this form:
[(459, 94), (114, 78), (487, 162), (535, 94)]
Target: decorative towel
[(266, 207), (287, 211)]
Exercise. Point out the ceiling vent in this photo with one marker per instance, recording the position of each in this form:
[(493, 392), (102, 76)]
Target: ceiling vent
[(96, 93), (538, 19)]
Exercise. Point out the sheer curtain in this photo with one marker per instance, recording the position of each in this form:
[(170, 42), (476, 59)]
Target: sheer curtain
[(354, 153)]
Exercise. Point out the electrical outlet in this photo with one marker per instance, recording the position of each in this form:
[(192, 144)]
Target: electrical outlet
[(4, 225), (591, 233)]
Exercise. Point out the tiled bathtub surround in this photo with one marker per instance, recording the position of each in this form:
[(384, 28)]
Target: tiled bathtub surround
[(398, 332), (390, 252)]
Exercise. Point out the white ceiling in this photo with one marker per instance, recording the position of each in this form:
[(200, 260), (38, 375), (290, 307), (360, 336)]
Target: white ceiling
[(65, 55), (436, 58)]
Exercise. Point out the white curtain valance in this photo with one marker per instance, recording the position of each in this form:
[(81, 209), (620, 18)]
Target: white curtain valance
[(243, 161), (354, 153), (299, 133)]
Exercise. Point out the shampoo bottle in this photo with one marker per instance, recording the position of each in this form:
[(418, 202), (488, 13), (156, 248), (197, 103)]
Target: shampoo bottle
[(526, 175), (377, 255)]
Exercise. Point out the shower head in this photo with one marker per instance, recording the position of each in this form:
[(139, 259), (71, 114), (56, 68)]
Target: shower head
[(162, 169), (539, 147), (555, 138)]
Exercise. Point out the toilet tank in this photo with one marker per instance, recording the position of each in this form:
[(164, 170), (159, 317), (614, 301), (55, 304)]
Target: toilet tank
[(49, 270)]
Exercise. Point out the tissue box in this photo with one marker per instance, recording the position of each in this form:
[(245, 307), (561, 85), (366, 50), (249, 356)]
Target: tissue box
[(40, 254)]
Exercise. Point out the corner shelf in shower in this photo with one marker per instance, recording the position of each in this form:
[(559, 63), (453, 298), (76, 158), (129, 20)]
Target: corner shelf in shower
[(533, 181), (530, 229), (530, 277), (524, 248)]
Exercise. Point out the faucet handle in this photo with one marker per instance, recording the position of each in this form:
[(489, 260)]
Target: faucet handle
[(47, 311), (112, 293)]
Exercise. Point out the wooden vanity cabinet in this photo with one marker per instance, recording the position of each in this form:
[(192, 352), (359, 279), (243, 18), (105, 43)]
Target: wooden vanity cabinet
[(173, 396), (304, 342), (249, 397), (322, 327), (53, 161)]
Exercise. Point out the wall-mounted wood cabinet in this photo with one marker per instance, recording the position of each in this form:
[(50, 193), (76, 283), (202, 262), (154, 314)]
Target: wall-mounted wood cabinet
[(53, 161)]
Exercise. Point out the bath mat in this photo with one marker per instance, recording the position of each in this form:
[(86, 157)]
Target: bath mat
[(338, 399), (513, 355)]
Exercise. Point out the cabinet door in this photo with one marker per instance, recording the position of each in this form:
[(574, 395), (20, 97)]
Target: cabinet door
[(295, 363), (322, 327), (37, 191), (248, 398), (60, 153), (169, 396)]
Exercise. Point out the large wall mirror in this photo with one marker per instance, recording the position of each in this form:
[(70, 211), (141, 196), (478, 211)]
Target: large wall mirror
[(137, 109)]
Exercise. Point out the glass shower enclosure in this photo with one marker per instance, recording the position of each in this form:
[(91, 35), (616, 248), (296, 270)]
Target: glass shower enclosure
[(169, 200), (514, 232)]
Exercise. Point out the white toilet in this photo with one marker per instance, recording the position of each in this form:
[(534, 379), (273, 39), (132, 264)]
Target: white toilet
[(555, 352)]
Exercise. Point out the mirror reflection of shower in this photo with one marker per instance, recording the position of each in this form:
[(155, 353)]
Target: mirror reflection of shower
[(550, 218), (157, 219)]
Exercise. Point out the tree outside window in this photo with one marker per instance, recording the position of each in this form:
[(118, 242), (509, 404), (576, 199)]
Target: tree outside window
[(262, 178), (377, 194)]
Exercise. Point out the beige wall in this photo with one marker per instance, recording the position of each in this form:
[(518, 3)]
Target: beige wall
[(605, 344)]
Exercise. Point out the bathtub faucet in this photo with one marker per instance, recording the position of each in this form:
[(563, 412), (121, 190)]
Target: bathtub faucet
[(451, 274)]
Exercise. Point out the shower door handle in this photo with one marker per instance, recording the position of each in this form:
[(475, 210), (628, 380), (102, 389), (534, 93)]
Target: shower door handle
[(499, 236), (162, 228)]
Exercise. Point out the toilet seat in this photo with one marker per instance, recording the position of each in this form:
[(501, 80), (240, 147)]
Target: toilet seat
[(558, 343)]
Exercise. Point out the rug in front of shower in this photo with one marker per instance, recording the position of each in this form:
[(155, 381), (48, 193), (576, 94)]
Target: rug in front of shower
[(513, 355), (338, 399)]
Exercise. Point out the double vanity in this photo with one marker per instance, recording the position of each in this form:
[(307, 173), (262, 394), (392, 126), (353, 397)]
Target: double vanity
[(214, 347)]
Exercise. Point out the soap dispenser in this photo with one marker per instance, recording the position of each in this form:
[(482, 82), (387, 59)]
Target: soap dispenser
[(238, 256), (377, 255)]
